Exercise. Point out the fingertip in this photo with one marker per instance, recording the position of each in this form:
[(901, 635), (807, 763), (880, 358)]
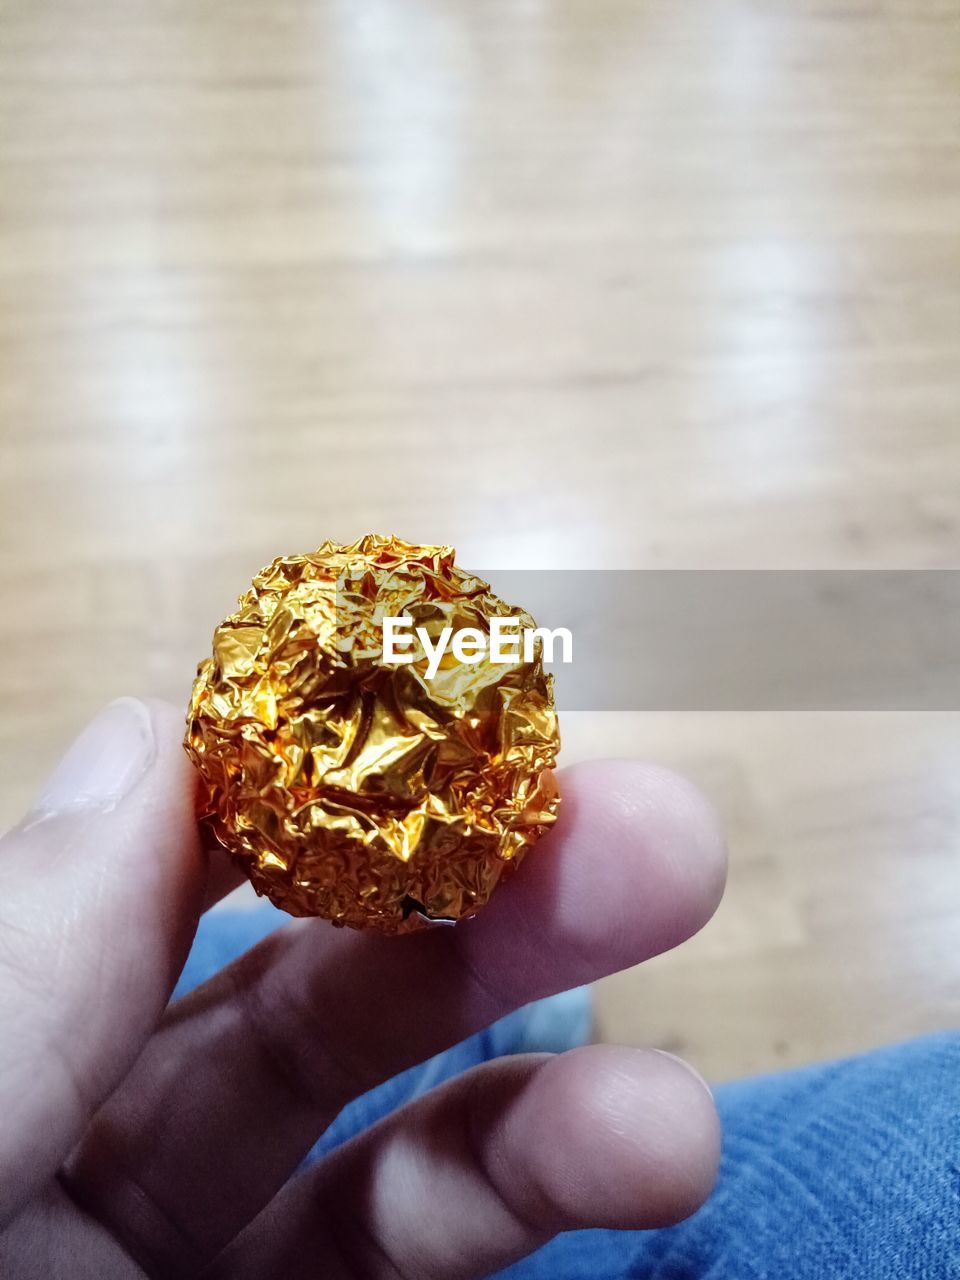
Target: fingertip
[(661, 838), (635, 865), (178, 781), (159, 815), (168, 722), (662, 1108), (685, 828), (636, 1137)]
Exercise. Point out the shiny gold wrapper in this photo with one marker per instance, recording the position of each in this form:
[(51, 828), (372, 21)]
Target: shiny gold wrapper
[(368, 793)]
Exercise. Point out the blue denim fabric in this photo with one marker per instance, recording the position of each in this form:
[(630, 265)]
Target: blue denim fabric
[(847, 1171)]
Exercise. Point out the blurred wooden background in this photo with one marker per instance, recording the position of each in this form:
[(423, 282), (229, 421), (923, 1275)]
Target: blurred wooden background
[(615, 283)]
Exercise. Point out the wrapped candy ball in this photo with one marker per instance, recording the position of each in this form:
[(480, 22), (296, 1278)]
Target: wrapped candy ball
[(373, 793)]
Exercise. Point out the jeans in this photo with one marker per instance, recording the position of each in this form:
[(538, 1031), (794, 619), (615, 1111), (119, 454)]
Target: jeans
[(845, 1171)]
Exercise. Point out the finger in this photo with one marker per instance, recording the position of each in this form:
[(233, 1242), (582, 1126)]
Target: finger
[(260, 1059), (489, 1167), (99, 890)]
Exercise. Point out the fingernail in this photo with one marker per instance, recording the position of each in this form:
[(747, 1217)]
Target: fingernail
[(106, 762), (682, 1062)]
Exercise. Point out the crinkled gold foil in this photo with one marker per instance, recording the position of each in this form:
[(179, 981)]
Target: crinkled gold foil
[(358, 791)]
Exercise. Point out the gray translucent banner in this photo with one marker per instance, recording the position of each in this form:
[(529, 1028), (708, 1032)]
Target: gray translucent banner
[(884, 640)]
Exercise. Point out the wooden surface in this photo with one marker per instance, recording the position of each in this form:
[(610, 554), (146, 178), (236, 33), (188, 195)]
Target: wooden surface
[(621, 284)]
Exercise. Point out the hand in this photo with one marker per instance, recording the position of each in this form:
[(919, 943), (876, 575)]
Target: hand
[(140, 1139)]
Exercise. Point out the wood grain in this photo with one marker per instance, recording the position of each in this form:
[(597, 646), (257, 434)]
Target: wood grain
[(622, 284)]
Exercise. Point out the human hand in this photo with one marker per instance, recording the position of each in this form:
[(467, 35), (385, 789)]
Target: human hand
[(141, 1139)]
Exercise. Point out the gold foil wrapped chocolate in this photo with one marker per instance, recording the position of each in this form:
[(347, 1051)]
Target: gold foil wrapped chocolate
[(358, 790)]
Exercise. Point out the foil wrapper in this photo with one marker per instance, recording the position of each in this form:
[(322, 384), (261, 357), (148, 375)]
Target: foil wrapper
[(363, 792)]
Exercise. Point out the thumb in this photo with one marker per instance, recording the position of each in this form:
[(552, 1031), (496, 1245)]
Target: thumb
[(100, 888)]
